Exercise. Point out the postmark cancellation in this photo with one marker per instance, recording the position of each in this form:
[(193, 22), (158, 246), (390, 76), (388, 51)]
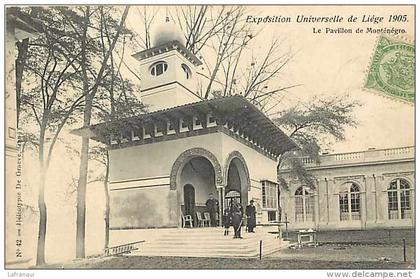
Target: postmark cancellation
[(392, 68)]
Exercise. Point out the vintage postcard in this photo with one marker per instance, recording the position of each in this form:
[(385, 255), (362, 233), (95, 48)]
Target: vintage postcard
[(210, 137)]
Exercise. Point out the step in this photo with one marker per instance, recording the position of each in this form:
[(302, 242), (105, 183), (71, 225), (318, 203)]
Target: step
[(207, 254), (212, 240), (208, 242), (208, 251)]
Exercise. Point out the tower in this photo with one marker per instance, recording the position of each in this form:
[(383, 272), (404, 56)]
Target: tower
[(168, 70)]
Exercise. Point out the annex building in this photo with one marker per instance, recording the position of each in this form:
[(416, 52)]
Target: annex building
[(356, 190)]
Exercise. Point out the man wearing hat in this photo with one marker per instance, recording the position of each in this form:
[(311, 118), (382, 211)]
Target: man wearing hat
[(236, 212), (212, 206), (250, 213)]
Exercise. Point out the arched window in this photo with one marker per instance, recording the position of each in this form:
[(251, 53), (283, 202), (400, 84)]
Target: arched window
[(399, 206), (186, 70), (349, 201), (158, 68), (304, 205)]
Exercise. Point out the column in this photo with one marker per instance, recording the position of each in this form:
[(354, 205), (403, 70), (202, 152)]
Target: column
[(322, 202), (381, 200), (221, 192), (333, 208), (316, 206), (370, 205), (364, 204)]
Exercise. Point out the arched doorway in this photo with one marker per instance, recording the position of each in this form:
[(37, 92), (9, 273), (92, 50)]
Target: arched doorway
[(196, 164), (198, 176), (237, 180)]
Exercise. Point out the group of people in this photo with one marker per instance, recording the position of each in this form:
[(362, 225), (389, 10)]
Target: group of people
[(233, 216)]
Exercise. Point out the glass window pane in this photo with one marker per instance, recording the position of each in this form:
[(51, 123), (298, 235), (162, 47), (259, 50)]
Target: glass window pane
[(299, 209), (404, 184), (159, 69), (393, 185), (392, 205), (309, 208), (264, 196), (344, 207)]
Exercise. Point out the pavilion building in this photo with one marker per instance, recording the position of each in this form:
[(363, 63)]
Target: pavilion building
[(163, 164)]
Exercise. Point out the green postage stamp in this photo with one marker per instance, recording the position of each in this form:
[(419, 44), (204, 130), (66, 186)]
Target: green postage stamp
[(392, 70)]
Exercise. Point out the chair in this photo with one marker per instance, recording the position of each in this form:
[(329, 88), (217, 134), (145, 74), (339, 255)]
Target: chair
[(199, 219), (207, 218), (187, 219)]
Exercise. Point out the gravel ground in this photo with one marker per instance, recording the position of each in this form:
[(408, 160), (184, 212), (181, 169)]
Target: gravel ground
[(348, 253), (137, 262)]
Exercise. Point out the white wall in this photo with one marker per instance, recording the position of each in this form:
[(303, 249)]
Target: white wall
[(157, 159), (138, 169), (172, 95), (373, 181)]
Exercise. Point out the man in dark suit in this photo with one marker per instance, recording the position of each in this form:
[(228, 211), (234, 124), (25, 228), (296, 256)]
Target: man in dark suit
[(212, 206), (251, 213), (236, 213)]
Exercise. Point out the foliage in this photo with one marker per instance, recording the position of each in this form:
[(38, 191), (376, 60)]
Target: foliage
[(309, 124)]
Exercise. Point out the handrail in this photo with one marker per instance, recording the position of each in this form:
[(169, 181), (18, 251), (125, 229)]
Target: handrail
[(126, 248)]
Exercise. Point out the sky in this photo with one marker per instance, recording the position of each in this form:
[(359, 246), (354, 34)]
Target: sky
[(329, 65)]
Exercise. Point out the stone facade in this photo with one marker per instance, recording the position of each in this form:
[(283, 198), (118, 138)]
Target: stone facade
[(357, 190), (146, 187)]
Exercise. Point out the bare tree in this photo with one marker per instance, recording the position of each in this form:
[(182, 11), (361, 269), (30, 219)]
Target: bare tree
[(200, 23), (230, 67), (45, 100), (147, 15), (91, 84)]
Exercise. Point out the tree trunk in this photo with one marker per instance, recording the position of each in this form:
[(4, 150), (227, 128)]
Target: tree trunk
[(42, 228), (83, 172), (89, 93), (20, 65), (81, 200)]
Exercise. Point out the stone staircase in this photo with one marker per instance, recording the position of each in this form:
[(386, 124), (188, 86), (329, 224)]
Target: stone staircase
[(209, 242)]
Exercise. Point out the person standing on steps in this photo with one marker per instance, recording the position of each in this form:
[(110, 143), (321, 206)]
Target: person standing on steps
[(212, 206), (250, 213), (226, 220), (237, 214)]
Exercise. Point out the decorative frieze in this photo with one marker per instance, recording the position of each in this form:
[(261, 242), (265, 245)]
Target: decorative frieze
[(237, 155), (188, 155), (398, 174)]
